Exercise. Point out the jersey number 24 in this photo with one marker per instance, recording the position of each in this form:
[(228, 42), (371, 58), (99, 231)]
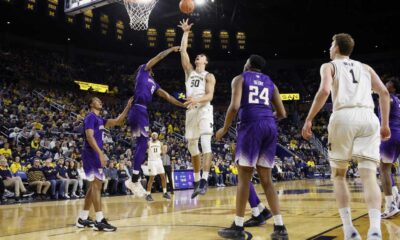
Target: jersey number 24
[(255, 95)]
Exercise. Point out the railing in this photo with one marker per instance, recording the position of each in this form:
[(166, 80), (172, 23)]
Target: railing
[(320, 147)]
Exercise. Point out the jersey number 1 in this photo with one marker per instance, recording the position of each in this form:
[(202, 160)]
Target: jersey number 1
[(352, 74), (255, 95)]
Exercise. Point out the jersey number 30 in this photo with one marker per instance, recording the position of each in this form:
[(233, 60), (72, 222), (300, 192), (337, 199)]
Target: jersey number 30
[(255, 95)]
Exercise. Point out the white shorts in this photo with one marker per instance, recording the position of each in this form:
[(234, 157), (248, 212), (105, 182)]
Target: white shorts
[(155, 167), (199, 121), (354, 133)]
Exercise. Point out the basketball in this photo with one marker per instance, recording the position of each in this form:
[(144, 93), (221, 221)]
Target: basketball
[(186, 6)]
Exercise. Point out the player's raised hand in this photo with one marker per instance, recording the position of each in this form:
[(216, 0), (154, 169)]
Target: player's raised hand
[(306, 131), (184, 24), (220, 134), (385, 133)]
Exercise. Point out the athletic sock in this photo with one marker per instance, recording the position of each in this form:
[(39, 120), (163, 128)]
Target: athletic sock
[(389, 200), (148, 193), (84, 214), (261, 207), (395, 190), (205, 175), (278, 220), (164, 190), (345, 215), (197, 176), (99, 216), (239, 221), (375, 220), (255, 211)]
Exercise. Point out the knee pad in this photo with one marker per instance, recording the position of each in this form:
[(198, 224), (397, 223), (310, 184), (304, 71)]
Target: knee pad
[(193, 146), (206, 143)]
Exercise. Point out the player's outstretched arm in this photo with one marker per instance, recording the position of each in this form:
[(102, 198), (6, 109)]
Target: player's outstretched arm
[(278, 104), (185, 60), (384, 102), (237, 85), (163, 94), (150, 64), (320, 98), (120, 119), (209, 93)]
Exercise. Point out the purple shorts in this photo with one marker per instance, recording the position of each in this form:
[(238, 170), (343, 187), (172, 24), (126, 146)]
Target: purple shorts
[(390, 150), (138, 120), (92, 165), (256, 143)]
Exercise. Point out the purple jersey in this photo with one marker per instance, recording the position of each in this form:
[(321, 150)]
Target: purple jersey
[(145, 87), (394, 117), (257, 93), (92, 121)]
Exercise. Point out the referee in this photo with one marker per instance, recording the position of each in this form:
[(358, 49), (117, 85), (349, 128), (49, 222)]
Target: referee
[(167, 167)]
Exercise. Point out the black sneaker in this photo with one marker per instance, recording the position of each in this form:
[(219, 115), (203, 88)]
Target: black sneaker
[(149, 198), (279, 233), (203, 186), (195, 189), (266, 214), (80, 223), (103, 225), (166, 196), (233, 232), (254, 221)]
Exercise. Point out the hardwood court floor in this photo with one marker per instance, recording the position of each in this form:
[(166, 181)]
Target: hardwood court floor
[(308, 208)]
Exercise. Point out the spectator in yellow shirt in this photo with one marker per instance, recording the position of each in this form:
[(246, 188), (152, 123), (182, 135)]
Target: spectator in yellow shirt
[(6, 151), (35, 143), (16, 165)]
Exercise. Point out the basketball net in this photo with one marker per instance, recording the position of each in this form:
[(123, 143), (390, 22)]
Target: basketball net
[(139, 12)]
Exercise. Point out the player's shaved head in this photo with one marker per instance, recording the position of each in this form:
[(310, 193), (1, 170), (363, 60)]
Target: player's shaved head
[(345, 43), (256, 62)]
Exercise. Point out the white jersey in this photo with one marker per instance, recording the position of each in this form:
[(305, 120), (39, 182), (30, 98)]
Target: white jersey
[(196, 84), (351, 85), (154, 150)]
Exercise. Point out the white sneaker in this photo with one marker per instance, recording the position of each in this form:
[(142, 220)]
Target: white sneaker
[(352, 235), (374, 234), (392, 211), (138, 189), (397, 200), (67, 196)]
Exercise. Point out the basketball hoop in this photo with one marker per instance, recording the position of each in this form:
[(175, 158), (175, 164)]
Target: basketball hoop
[(139, 12)]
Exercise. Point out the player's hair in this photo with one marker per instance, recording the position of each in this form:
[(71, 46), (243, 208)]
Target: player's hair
[(396, 83), (90, 101), (205, 55), (257, 61), (345, 42)]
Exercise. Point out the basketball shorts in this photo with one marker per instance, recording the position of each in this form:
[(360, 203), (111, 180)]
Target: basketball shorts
[(92, 165), (390, 150), (138, 121), (256, 143), (155, 167), (354, 133), (199, 121)]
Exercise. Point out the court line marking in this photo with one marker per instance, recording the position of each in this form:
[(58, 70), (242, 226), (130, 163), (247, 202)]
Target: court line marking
[(335, 227)]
